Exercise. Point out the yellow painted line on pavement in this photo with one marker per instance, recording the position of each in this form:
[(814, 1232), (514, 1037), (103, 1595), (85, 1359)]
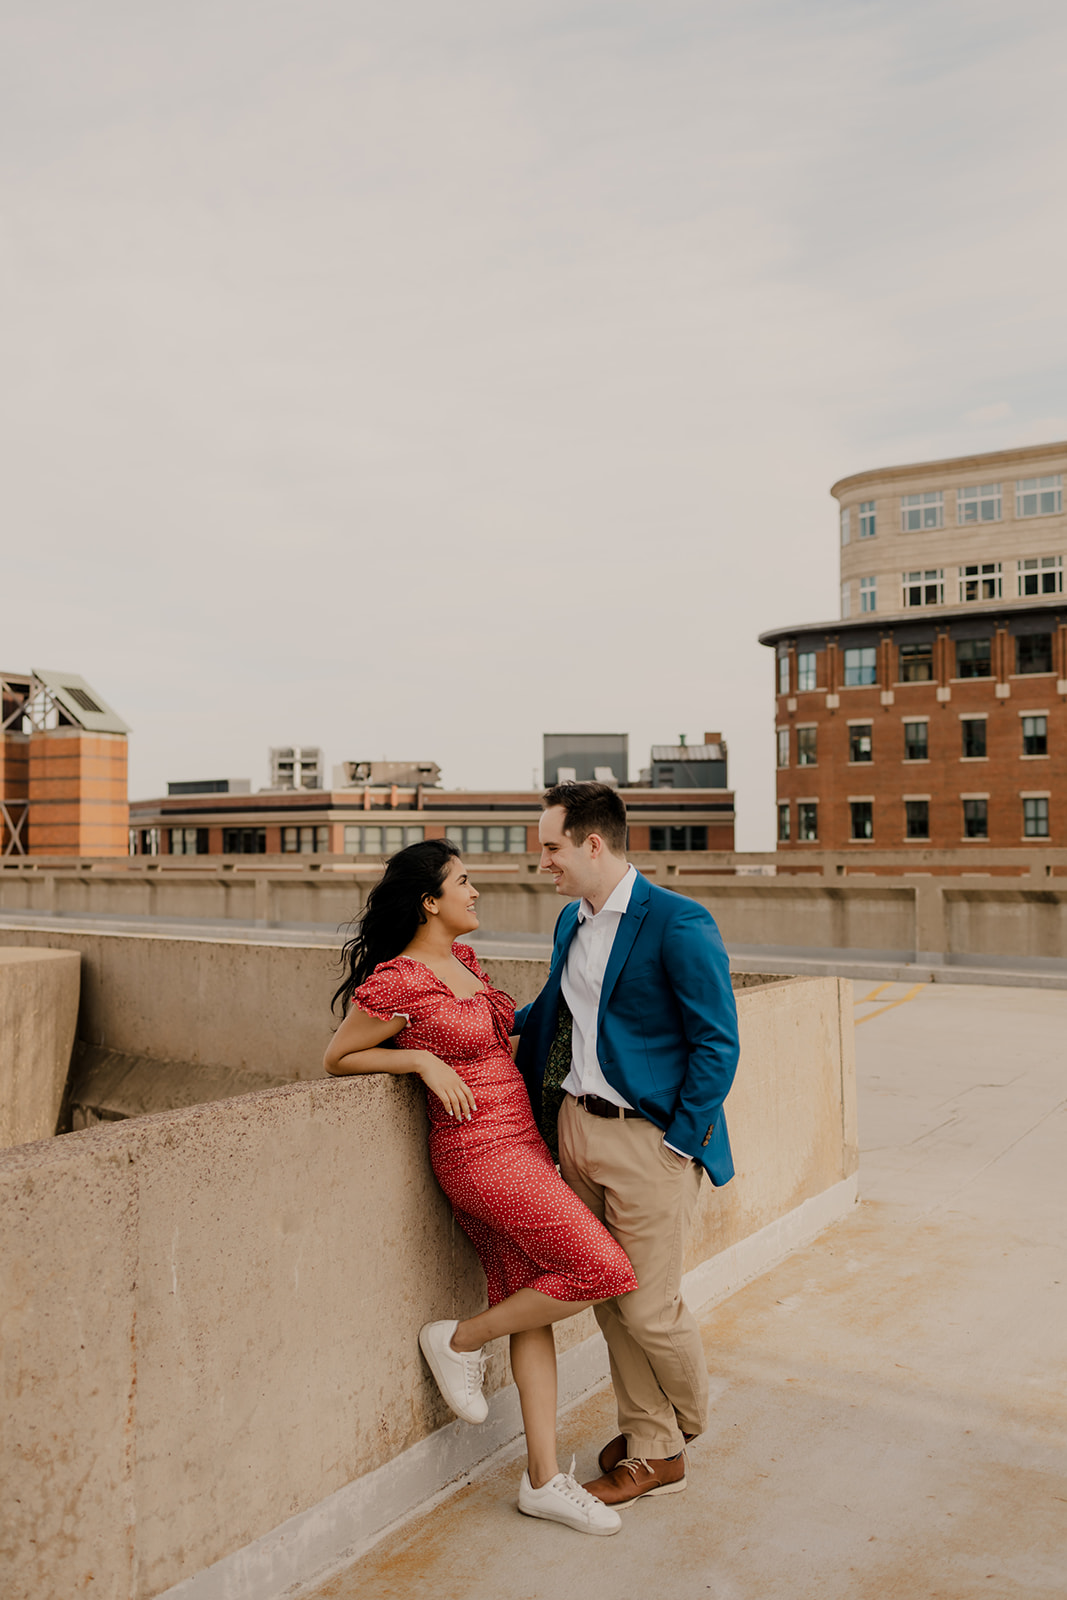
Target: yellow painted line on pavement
[(912, 992), (875, 993)]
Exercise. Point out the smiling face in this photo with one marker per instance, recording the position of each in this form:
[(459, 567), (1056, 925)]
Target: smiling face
[(455, 904), (572, 867)]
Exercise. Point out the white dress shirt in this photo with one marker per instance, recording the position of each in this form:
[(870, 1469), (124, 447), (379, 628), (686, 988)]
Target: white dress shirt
[(583, 980)]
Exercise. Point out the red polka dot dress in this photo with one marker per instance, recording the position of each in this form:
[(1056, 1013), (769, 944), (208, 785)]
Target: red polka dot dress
[(529, 1229)]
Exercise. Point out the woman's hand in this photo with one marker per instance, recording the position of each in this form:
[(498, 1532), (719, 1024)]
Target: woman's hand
[(442, 1080)]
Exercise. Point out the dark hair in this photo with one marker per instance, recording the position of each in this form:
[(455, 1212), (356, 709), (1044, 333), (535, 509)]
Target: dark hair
[(590, 808), (394, 911)]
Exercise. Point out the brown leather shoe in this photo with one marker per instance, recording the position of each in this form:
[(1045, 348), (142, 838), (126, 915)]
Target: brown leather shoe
[(633, 1479), (614, 1453)]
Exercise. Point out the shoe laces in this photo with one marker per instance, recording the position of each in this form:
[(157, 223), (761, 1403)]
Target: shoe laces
[(631, 1463), (576, 1492), (473, 1371)]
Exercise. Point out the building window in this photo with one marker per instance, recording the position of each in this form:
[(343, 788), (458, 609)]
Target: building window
[(244, 841), (974, 742), (808, 820), (924, 588), (979, 503), (188, 841), (976, 819), (860, 743), (917, 819), (783, 747), (806, 747), (691, 836), (147, 841), (783, 674), (1040, 575), (306, 841), (783, 823), (868, 594), (868, 524), (980, 581), (916, 662), (846, 600), (377, 840), (1035, 736), (862, 818), (1039, 497), (1035, 818), (1033, 652), (916, 741), (805, 671), (499, 839), (846, 525), (973, 658), (861, 666), (918, 511)]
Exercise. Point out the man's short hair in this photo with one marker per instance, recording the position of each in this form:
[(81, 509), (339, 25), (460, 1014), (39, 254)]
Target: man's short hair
[(590, 808)]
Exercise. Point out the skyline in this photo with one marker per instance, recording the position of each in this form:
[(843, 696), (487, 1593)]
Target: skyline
[(409, 384)]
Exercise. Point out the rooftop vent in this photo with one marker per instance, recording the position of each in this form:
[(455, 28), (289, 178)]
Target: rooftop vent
[(82, 699)]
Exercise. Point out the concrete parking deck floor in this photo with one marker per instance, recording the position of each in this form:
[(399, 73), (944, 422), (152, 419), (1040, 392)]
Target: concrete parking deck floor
[(889, 1405)]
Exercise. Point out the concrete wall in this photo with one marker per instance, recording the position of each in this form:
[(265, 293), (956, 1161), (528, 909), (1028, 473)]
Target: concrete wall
[(38, 1012), (907, 916), (170, 1022), (209, 1315)]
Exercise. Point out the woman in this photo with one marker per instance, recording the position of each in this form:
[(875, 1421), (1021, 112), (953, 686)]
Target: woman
[(545, 1255)]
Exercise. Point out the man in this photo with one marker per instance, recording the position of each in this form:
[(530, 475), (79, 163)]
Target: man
[(641, 982)]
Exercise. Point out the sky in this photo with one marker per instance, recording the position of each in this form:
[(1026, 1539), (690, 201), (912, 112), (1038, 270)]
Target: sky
[(415, 379)]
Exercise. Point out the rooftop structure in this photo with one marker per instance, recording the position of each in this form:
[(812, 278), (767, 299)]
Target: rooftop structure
[(211, 786), (62, 767), (689, 766), (296, 767), (355, 774), (934, 712), (586, 758)]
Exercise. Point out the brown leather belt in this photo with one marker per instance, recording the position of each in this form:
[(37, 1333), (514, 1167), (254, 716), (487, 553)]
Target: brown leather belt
[(604, 1108)]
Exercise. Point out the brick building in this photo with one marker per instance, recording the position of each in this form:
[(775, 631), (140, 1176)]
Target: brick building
[(681, 804), (934, 712), (62, 768), (375, 821)]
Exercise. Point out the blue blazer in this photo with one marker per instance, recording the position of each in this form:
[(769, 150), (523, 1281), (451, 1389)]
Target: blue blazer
[(667, 1025)]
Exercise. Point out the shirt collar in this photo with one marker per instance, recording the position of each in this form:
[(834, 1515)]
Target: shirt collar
[(618, 900)]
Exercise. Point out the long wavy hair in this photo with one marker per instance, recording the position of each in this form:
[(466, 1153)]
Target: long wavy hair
[(394, 911)]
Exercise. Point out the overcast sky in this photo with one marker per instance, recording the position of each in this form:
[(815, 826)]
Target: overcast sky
[(416, 378)]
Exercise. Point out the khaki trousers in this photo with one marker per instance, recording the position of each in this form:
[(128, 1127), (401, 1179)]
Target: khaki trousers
[(645, 1196)]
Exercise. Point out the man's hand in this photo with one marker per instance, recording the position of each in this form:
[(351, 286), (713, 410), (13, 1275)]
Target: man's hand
[(685, 1160)]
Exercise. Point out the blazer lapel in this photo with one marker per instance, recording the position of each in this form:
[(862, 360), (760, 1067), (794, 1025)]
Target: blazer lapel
[(623, 942), (559, 954)]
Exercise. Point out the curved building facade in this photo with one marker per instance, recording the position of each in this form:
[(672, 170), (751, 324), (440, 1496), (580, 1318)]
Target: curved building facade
[(933, 712)]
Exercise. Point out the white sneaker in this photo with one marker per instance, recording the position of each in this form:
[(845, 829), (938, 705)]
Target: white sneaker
[(459, 1375), (562, 1499)]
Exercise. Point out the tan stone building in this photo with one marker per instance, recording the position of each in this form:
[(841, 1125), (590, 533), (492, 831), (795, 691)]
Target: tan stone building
[(961, 533), (934, 711)]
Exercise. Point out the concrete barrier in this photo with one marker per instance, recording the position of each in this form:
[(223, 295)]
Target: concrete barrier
[(172, 1022), (926, 912), (210, 1373), (38, 1012)]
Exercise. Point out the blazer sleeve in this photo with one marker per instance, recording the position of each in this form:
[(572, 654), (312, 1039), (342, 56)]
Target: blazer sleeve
[(698, 969)]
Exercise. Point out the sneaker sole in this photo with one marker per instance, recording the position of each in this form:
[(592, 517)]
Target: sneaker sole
[(576, 1527), (429, 1355)]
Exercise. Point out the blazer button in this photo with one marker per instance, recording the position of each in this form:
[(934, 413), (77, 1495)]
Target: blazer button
[(707, 1137)]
